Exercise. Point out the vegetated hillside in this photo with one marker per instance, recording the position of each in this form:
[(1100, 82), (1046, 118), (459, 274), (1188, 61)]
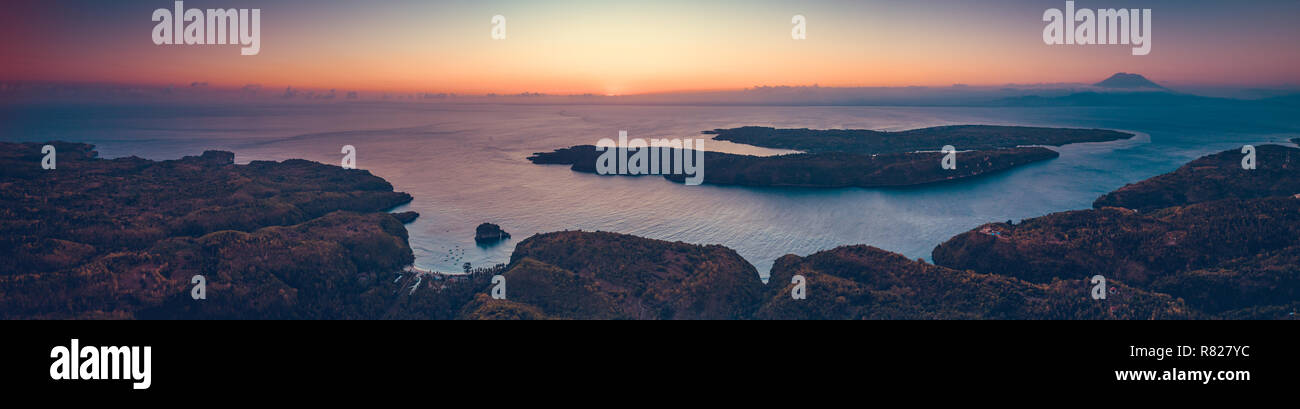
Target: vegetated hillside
[(1222, 238), (863, 282), (595, 275), (123, 238), (1214, 177), (598, 275), (825, 170), (963, 137), (860, 170)]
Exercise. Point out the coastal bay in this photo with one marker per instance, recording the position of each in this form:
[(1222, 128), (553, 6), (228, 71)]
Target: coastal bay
[(465, 165)]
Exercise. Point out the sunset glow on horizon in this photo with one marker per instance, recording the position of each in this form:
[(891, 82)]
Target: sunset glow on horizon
[(620, 48)]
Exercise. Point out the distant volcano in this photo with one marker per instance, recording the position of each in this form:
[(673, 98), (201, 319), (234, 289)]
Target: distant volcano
[(1125, 80)]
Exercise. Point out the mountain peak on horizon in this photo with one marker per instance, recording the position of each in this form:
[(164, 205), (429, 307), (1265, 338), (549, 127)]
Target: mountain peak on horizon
[(1126, 80)]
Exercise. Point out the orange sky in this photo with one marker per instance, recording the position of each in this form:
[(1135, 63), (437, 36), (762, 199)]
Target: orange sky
[(624, 47)]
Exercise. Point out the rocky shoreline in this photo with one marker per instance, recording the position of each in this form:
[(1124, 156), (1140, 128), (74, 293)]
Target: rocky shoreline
[(1223, 238), (1208, 241), (600, 275), (122, 238)]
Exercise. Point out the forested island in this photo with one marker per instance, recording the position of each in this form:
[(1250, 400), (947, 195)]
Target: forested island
[(826, 170), (963, 137), (861, 158)]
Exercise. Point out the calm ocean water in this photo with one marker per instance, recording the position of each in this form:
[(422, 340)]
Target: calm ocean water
[(465, 164)]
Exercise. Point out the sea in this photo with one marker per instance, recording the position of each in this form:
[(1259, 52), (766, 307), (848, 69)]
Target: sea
[(465, 164)]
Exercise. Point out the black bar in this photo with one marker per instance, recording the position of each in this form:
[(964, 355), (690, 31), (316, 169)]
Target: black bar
[(294, 358)]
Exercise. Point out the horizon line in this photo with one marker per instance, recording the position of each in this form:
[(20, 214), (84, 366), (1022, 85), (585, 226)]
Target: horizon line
[(530, 93)]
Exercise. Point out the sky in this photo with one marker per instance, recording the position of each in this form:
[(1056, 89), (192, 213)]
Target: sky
[(614, 47)]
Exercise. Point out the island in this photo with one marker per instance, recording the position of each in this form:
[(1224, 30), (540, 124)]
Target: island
[(837, 158), (488, 233), (963, 137), (826, 170), (406, 217)]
